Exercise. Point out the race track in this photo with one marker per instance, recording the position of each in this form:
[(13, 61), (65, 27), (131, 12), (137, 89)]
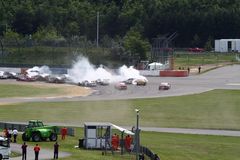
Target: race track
[(227, 77)]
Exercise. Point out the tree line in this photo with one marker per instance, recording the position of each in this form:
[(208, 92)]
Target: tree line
[(133, 22)]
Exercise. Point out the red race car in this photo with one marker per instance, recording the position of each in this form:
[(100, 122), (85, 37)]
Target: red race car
[(196, 49)]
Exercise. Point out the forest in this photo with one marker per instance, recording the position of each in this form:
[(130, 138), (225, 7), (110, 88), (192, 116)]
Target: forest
[(131, 22)]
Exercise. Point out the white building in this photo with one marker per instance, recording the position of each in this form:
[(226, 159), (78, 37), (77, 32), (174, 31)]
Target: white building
[(227, 45)]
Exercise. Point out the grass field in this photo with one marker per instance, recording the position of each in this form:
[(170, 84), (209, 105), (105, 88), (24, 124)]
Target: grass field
[(186, 59), (12, 90), (167, 146), (218, 109), (40, 90)]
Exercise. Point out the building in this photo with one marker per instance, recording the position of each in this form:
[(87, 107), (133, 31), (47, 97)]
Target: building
[(227, 45)]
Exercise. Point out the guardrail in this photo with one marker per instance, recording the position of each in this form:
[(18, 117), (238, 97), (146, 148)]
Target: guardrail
[(21, 128)]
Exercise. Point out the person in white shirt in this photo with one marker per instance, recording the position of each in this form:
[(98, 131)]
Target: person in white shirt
[(15, 133)]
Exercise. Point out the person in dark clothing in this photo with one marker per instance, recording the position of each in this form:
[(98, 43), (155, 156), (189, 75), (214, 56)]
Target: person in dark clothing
[(36, 151), (199, 69), (24, 151), (55, 154)]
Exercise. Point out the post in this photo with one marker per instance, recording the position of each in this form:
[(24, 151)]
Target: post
[(137, 135), (97, 28)]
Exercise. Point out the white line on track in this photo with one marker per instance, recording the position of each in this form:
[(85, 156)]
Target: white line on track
[(233, 84)]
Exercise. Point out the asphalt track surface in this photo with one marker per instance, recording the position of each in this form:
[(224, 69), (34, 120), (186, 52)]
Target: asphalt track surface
[(227, 77)]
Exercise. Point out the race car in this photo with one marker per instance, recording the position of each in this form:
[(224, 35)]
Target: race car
[(121, 86), (25, 78), (87, 83), (129, 81), (103, 82), (164, 86), (140, 82)]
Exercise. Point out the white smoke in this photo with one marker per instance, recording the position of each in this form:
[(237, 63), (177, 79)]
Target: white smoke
[(83, 70)]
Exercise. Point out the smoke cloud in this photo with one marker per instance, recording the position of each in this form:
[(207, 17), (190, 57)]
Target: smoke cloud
[(83, 70)]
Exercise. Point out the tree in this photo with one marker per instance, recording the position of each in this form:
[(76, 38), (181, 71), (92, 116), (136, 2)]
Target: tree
[(136, 45), (47, 34), (12, 37)]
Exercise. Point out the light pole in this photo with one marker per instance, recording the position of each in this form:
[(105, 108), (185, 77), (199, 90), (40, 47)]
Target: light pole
[(97, 28), (137, 143)]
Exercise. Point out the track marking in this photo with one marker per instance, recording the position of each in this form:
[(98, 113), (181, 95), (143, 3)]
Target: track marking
[(233, 84)]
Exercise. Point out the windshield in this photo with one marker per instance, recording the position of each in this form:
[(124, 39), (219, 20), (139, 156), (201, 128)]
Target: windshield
[(4, 143), (35, 124)]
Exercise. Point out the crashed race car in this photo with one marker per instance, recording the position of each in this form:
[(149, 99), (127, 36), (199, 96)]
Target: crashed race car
[(129, 81), (25, 78), (87, 83), (8, 75), (56, 79), (164, 86), (121, 86), (140, 82), (103, 82)]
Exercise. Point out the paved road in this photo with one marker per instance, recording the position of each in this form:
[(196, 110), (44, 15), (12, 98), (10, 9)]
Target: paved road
[(44, 154)]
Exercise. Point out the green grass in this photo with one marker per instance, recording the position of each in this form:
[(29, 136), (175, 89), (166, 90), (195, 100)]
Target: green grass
[(185, 59), (218, 109), (167, 146), (12, 90)]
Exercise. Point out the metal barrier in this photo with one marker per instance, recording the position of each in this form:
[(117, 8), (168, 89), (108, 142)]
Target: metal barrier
[(147, 152), (21, 128)]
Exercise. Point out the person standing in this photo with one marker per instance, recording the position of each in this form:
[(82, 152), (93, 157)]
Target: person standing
[(63, 132), (55, 154), (36, 151), (199, 69), (15, 133), (24, 151)]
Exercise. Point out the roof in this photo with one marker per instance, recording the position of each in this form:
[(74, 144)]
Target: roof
[(108, 124), (97, 124)]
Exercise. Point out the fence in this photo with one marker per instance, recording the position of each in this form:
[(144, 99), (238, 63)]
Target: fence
[(21, 128)]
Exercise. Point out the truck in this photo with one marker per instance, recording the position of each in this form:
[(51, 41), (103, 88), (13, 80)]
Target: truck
[(4, 148), (37, 131)]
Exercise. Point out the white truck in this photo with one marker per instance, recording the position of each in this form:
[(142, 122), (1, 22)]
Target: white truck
[(4, 148)]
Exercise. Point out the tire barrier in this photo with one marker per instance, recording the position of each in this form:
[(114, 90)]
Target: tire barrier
[(174, 73)]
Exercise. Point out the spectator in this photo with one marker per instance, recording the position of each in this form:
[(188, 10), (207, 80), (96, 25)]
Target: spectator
[(24, 151), (55, 154), (63, 132), (188, 70), (36, 151), (15, 133), (9, 136), (199, 69), (5, 132)]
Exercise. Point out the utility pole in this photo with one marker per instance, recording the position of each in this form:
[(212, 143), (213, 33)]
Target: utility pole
[(137, 143), (97, 28)]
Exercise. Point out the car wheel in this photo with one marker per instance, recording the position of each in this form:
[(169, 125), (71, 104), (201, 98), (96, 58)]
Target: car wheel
[(53, 137), (36, 137), (24, 137)]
